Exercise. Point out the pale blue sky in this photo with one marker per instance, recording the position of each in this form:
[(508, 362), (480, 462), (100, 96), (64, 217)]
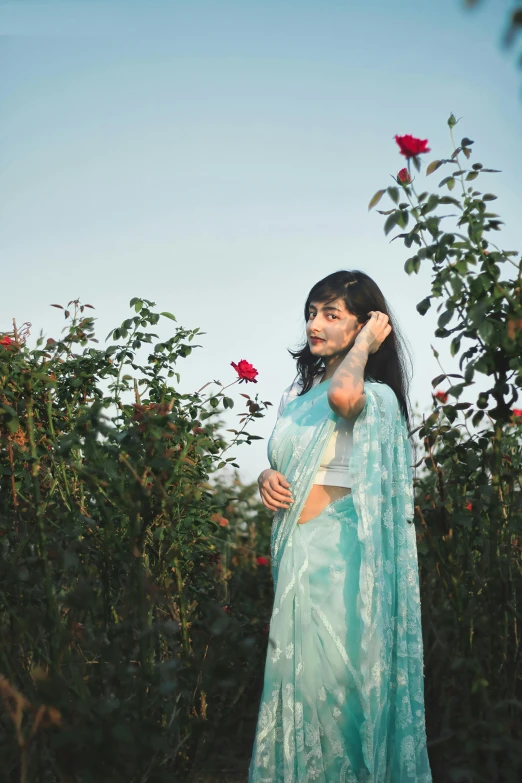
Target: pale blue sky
[(218, 158)]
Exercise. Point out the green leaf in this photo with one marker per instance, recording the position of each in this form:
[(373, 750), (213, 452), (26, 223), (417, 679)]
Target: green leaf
[(431, 203), (456, 390), (450, 200), (13, 424), (451, 183), (433, 166), (466, 142), (412, 265), (471, 175), (424, 306), (168, 315), (455, 346), (375, 199), (394, 194), (457, 285), (403, 218), (489, 197), (391, 221), (445, 318), (477, 418), (432, 225), (486, 330)]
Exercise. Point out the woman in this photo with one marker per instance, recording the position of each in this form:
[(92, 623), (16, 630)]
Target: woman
[(343, 696)]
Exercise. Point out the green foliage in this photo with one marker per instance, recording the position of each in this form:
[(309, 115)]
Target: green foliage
[(468, 492), (115, 649)]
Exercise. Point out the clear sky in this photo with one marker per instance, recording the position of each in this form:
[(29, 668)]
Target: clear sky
[(218, 158)]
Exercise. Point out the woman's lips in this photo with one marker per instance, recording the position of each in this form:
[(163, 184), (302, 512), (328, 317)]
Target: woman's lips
[(316, 340)]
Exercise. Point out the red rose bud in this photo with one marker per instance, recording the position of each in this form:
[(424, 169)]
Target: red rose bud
[(442, 396), (469, 506), (410, 146), (262, 561), (5, 340), (245, 371), (223, 522), (404, 177), (517, 413)]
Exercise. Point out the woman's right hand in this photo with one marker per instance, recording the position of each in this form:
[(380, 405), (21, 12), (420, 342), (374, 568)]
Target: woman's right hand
[(274, 490)]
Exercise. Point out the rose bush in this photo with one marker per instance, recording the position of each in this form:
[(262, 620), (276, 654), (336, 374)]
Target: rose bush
[(468, 499), (116, 655)]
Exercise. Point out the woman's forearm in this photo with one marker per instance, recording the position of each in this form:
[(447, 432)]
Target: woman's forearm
[(346, 392)]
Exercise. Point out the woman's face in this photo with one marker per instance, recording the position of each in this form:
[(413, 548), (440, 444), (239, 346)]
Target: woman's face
[(331, 329)]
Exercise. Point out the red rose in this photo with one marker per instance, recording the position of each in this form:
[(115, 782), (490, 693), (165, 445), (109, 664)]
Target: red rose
[(469, 506), (442, 396), (223, 522), (6, 340), (404, 177), (261, 561), (245, 370), (517, 413), (410, 147)]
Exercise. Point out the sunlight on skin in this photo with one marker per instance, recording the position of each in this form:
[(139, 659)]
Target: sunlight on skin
[(332, 332)]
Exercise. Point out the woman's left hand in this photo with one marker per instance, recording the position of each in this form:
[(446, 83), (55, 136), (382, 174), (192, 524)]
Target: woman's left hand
[(374, 331)]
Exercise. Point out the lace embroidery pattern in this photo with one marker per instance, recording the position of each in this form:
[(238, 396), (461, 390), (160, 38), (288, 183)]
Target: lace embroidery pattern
[(343, 698)]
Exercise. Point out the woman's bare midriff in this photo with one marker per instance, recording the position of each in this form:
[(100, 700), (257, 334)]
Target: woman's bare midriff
[(321, 495)]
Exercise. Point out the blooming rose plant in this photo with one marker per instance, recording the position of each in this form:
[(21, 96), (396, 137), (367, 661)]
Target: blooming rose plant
[(468, 510)]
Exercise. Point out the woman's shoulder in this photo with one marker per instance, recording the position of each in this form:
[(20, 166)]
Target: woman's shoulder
[(383, 393), (291, 392)]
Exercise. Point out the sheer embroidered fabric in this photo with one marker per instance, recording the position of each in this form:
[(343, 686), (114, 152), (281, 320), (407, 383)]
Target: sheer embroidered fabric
[(343, 696)]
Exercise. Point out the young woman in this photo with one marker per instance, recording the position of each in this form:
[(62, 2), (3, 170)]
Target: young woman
[(343, 696)]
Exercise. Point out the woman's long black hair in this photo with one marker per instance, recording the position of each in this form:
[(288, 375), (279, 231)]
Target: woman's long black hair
[(360, 295)]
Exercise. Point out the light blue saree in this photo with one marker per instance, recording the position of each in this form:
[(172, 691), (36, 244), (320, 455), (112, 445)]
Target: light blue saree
[(343, 696)]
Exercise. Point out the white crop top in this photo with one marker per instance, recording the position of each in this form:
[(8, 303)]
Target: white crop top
[(333, 469)]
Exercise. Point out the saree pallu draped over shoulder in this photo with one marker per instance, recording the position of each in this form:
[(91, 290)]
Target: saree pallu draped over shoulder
[(343, 696)]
